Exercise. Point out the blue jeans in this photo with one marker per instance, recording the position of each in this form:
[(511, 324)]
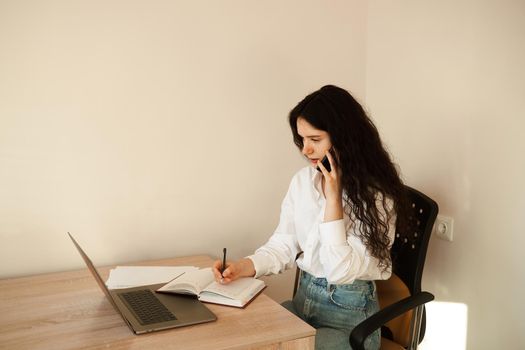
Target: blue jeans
[(334, 310)]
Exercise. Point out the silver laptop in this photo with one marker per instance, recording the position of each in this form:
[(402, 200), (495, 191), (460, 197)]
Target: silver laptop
[(145, 311)]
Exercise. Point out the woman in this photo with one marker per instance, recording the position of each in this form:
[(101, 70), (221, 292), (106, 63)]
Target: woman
[(342, 219)]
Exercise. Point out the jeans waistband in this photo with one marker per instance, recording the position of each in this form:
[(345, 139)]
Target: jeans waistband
[(322, 282)]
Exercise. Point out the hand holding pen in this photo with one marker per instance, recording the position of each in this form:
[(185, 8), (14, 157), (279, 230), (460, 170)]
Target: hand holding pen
[(225, 272)]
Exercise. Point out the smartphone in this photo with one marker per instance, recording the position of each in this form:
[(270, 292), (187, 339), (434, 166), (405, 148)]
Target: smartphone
[(326, 162)]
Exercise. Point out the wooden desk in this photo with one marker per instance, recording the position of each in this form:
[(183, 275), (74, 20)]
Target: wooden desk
[(67, 310)]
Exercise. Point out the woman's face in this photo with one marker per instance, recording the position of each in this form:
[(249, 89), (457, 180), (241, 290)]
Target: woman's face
[(315, 142)]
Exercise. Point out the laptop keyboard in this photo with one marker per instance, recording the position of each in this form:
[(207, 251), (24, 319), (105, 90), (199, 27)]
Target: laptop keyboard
[(146, 306)]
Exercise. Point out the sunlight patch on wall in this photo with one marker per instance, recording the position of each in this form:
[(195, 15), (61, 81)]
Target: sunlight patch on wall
[(447, 325)]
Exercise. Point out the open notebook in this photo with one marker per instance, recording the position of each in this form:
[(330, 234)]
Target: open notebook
[(202, 283)]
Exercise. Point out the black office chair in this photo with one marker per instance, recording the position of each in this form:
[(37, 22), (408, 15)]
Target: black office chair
[(402, 314)]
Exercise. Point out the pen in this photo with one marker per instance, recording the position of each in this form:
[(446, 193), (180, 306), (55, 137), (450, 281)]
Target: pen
[(223, 260)]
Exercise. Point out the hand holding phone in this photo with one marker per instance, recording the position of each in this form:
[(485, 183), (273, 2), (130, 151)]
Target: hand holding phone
[(326, 162)]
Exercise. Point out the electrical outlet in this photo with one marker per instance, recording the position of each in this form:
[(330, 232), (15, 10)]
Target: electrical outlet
[(444, 227)]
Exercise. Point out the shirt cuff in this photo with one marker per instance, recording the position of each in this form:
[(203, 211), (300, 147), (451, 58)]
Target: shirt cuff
[(333, 232), (258, 263)]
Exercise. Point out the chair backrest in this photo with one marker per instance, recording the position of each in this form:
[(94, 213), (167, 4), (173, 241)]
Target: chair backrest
[(408, 260), (410, 248)]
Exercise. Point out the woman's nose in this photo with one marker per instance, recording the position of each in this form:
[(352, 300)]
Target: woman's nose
[(307, 150)]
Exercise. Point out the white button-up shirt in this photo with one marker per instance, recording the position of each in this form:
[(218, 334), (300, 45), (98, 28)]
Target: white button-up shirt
[(331, 250)]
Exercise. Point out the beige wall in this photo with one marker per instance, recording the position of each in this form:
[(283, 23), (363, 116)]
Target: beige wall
[(159, 129), (445, 81), (153, 129)]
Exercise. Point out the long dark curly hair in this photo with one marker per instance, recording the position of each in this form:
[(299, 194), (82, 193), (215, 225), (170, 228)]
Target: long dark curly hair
[(367, 170)]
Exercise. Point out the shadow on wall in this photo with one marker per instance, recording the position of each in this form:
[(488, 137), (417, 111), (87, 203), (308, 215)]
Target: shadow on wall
[(447, 325)]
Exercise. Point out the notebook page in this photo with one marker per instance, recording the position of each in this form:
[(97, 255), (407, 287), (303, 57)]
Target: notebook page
[(193, 280), (240, 289)]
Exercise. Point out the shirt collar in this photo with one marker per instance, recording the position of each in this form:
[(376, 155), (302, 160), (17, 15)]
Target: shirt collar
[(316, 177)]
